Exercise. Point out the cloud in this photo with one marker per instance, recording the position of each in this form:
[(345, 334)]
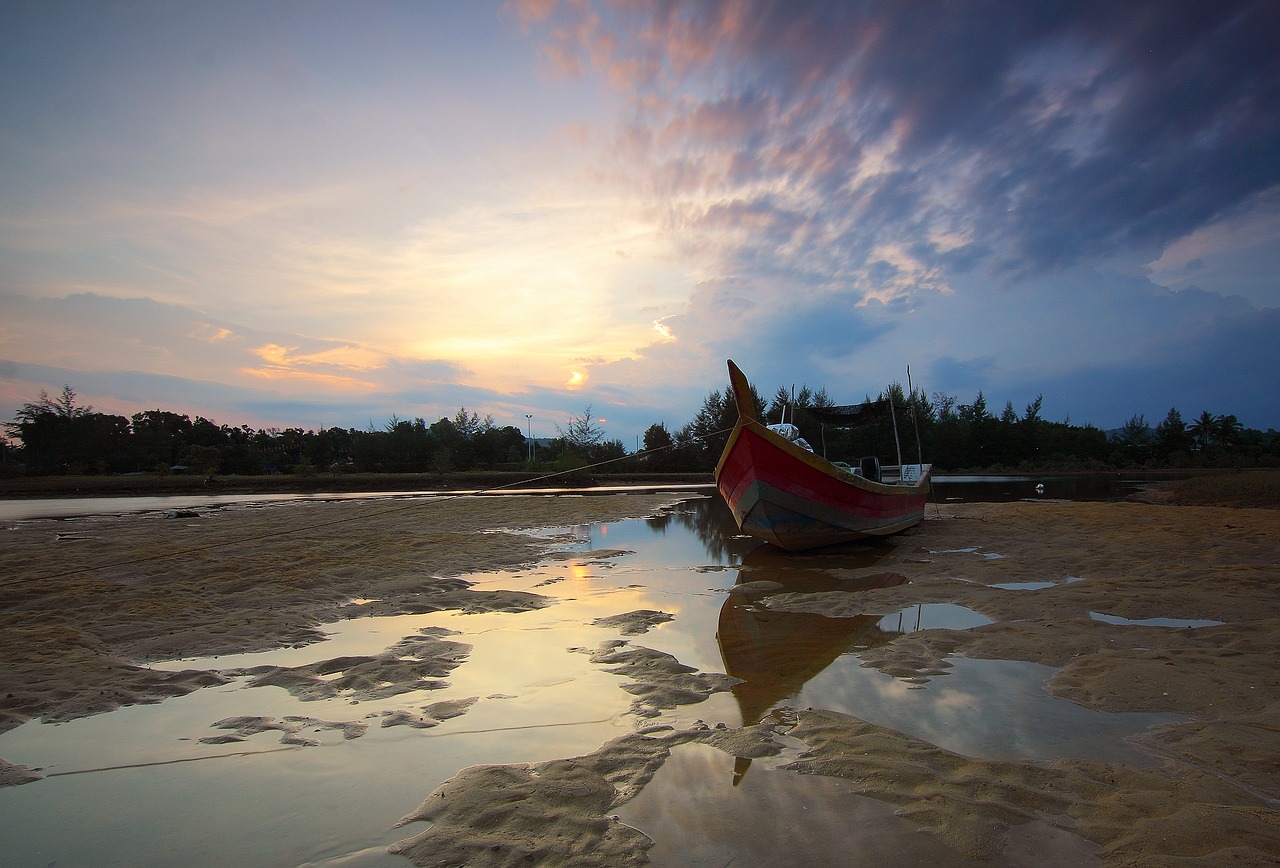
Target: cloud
[(1212, 368), (140, 340), (128, 355), (396, 212), (125, 392), (995, 186), (1055, 133), (1104, 349), (1232, 255), (92, 330)]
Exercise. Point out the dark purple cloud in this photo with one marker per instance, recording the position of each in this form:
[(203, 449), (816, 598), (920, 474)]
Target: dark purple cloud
[(812, 156), (1056, 132)]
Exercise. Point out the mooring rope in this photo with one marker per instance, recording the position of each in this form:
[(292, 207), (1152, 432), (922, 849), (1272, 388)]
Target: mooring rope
[(190, 550), (412, 503)]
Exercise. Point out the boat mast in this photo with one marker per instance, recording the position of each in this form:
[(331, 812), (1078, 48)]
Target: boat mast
[(893, 414), (914, 419)]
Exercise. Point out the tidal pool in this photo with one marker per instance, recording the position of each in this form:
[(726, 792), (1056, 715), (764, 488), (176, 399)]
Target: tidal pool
[(1183, 623), (154, 785)]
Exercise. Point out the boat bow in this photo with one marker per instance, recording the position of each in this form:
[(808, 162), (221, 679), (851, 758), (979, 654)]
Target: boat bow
[(787, 495)]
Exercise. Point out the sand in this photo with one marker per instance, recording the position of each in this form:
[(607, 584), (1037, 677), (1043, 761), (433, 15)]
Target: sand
[(86, 604), (1212, 796), (82, 615)]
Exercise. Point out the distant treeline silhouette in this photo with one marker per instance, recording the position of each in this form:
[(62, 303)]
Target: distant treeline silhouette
[(55, 436), (60, 436)]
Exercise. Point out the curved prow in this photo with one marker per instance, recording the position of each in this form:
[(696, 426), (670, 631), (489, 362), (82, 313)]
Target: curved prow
[(741, 393)]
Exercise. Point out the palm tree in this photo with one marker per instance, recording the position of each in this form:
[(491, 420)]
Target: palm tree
[(1203, 429), (1228, 429)]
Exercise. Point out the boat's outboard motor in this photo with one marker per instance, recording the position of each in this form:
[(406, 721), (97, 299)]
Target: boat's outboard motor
[(870, 467)]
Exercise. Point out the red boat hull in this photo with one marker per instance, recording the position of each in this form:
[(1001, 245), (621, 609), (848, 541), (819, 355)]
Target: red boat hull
[(792, 498)]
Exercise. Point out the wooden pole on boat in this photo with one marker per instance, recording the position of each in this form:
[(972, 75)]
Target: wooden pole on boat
[(893, 414), (914, 419)]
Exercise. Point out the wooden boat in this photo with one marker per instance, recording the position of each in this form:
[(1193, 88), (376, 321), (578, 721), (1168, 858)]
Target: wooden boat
[(782, 492)]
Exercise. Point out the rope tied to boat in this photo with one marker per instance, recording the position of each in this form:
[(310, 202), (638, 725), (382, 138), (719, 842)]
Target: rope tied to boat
[(415, 502)]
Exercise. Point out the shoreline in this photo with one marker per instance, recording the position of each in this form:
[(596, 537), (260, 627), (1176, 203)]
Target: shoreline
[(150, 484)]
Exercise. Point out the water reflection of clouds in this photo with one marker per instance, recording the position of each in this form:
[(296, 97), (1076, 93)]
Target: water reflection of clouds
[(933, 616), (1176, 623), (1035, 586), (697, 817), (971, 550), (982, 708), (538, 700)]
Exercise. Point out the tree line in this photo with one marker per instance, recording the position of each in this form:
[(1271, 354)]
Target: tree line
[(956, 436), (59, 435)]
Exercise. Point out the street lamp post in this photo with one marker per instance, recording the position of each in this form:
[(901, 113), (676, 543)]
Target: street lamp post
[(529, 417)]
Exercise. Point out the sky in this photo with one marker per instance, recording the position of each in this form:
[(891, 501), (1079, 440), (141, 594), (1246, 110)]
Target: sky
[(319, 213)]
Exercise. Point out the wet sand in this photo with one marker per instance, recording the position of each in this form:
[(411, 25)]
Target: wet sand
[(83, 613), (85, 604)]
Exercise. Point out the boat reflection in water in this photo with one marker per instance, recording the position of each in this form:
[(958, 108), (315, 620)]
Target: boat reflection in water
[(775, 653)]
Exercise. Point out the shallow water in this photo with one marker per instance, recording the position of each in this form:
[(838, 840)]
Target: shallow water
[(26, 509), (29, 508), (1000, 489), (137, 786), (1185, 623), (773, 818), (955, 488), (1035, 586)]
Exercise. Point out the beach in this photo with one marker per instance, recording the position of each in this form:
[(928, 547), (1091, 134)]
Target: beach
[(1134, 607), (89, 602)]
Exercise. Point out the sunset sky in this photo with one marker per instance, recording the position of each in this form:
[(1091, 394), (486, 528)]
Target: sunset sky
[(319, 213)]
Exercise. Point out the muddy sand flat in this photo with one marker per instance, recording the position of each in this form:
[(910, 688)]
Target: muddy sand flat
[(1138, 607), (86, 603)]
